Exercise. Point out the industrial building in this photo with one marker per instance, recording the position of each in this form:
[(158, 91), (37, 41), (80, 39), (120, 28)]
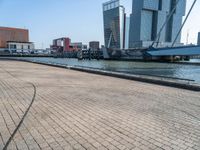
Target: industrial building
[(115, 32), (65, 45), (147, 19), (14, 39), (62, 45), (198, 40), (12, 34)]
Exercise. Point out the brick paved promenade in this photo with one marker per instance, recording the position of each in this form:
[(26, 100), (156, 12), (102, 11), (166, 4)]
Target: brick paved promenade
[(75, 110)]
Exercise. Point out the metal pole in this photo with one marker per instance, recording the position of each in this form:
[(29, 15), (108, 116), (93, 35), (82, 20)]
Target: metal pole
[(168, 18), (184, 23)]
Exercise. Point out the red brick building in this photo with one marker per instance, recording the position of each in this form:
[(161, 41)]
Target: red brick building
[(12, 34)]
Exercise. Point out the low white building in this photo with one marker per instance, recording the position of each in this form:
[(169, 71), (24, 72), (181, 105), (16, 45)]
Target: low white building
[(15, 46)]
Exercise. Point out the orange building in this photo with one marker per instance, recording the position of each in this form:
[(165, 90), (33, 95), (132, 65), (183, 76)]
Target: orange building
[(13, 34)]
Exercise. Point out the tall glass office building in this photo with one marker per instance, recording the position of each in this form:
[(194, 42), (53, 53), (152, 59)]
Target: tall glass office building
[(114, 24), (147, 18)]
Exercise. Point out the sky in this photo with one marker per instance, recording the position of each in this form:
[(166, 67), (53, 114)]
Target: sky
[(81, 20)]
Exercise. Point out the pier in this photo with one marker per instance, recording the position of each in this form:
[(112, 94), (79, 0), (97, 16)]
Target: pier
[(55, 108)]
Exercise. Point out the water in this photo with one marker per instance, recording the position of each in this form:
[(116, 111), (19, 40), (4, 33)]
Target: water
[(183, 71)]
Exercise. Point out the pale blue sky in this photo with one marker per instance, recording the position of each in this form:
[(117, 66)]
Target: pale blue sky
[(81, 20)]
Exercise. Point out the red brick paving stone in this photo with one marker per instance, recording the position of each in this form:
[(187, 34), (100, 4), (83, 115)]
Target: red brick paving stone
[(75, 110)]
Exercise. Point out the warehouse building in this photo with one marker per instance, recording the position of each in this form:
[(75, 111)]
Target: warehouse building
[(15, 39)]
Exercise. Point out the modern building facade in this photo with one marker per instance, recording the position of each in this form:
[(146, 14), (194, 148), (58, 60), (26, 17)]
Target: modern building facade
[(147, 18), (13, 34), (114, 24), (198, 40)]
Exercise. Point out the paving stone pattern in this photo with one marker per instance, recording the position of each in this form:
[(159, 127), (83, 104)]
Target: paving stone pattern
[(76, 111)]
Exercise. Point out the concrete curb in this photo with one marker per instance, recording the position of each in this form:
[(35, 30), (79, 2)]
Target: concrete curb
[(141, 78)]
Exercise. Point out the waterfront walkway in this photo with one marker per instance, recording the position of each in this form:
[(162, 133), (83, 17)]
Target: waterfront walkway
[(76, 110)]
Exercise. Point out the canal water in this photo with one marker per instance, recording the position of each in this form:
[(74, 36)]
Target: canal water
[(167, 70)]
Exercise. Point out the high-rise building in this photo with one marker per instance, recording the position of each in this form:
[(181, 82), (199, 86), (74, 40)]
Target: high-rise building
[(147, 18), (198, 41), (114, 24)]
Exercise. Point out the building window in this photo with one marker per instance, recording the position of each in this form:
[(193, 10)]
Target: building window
[(29, 47), (160, 5), (22, 46), (173, 5), (13, 46)]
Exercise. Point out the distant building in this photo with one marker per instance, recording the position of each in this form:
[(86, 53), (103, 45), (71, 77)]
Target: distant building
[(62, 44), (65, 45), (147, 18), (12, 45), (16, 35), (94, 45), (198, 41), (114, 24), (79, 46)]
